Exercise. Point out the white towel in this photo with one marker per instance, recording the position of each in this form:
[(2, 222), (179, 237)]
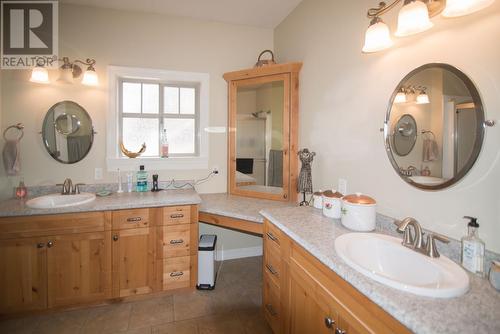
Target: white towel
[(430, 150), (11, 154)]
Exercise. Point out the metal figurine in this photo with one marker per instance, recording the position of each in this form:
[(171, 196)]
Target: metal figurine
[(305, 178)]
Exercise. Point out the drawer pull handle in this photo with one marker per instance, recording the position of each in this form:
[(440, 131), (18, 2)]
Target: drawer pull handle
[(340, 331), (271, 236), (271, 310), (177, 215), (271, 269), (40, 245), (115, 237), (176, 242), (176, 274), (329, 322), (134, 219)]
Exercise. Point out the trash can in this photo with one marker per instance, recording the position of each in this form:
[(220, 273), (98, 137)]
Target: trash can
[(206, 262)]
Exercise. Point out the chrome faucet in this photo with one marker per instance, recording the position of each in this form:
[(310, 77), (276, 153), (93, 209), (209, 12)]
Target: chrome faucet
[(415, 241), (68, 188), (410, 171)]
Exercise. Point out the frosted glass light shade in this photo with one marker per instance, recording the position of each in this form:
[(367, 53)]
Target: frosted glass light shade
[(422, 98), (377, 37), (413, 18), (40, 75), (400, 97), (65, 75), (456, 8), (90, 78)]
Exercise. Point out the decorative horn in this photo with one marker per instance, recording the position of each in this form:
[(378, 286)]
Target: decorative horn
[(130, 154)]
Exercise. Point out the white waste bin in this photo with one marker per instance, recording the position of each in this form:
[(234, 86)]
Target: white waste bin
[(206, 262)]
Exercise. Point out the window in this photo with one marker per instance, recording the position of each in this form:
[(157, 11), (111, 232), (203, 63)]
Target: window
[(144, 102)]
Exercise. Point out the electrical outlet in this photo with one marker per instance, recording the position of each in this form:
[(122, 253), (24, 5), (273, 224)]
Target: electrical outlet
[(342, 186), (215, 170), (98, 173)]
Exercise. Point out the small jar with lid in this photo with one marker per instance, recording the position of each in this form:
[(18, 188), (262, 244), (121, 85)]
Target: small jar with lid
[(332, 204), (318, 199), (359, 212)]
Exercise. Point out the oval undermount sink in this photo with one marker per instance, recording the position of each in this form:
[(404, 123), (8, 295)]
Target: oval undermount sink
[(383, 259), (54, 201)]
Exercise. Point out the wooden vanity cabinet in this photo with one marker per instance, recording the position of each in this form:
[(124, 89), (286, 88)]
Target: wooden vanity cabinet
[(311, 298)]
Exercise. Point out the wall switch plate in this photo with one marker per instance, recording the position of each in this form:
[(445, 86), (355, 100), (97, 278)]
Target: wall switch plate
[(342, 186), (98, 173)]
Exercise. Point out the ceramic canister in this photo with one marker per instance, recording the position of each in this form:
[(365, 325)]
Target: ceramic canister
[(494, 275), (359, 212), (318, 199), (332, 203)]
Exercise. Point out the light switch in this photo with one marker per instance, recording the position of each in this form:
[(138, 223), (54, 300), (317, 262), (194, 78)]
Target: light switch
[(98, 173), (342, 186)]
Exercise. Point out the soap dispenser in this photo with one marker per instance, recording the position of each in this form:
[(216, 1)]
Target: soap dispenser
[(473, 249)]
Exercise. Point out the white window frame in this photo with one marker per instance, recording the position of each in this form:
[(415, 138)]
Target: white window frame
[(114, 160)]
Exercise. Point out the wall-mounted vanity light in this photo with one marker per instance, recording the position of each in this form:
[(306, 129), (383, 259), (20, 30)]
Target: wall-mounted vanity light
[(68, 72), (422, 97), (413, 18), (411, 93)]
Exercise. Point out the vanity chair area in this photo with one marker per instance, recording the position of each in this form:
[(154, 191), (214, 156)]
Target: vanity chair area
[(279, 166)]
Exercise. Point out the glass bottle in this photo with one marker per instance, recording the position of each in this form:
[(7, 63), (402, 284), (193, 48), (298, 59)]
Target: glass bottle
[(164, 144)]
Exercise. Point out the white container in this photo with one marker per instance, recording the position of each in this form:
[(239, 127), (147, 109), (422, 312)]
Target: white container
[(206, 262), (318, 199), (359, 212), (332, 204)]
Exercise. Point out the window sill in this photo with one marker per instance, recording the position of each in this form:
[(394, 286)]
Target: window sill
[(176, 163)]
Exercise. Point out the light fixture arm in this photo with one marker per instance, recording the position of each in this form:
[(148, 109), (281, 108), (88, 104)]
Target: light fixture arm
[(381, 9), (89, 62)]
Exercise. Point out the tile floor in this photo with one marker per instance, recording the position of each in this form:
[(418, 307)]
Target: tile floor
[(233, 307)]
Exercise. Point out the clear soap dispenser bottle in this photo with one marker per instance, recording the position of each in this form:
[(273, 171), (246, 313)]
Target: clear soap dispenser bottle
[(473, 249)]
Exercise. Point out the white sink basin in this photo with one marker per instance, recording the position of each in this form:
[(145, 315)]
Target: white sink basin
[(383, 259), (427, 180), (53, 201)]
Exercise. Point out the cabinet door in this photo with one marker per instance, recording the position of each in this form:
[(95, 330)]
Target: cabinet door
[(23, 274), (133, 261), (79, 268), (311, 310)]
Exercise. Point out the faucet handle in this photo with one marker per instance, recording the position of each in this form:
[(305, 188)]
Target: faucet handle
[(76, 188), (430, 248)]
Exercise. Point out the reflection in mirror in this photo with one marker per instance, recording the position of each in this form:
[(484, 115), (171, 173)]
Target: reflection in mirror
[(259, 137), (434, 126), (67, 132)]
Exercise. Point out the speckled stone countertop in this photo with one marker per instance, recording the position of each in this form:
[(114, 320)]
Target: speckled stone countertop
[(14, 207), (237, 206), (478, 311)]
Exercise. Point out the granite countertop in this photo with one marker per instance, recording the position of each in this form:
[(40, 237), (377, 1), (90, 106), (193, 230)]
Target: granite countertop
[(478, 311), (238, 207), (15, 207)]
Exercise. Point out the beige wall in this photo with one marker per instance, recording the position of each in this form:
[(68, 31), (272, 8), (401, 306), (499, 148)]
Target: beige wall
[(129, 39), (344, 95)]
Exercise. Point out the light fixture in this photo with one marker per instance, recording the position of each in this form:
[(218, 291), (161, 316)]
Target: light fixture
[(455, 8), (39, 74), (400, 96), (377, 36), (68, 71), (422, 97), (413, 18)]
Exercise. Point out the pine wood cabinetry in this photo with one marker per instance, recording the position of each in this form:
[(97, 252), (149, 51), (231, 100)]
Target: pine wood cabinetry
[(68, 259), (303, 296)]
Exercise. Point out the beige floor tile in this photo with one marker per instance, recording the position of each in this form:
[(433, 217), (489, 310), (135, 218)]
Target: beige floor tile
[(253, 321), (69, 322), (25, 325), (143, 330), (108, 319), (152, 312), (220, 324), (178, 327), (192, 305)]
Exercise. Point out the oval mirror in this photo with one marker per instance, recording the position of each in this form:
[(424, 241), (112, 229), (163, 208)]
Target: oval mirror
[(434, 126), (67, 132)]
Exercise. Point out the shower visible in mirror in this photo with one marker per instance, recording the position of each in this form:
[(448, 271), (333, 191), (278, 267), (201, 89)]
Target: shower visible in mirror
[(67, 132), (434, 126)]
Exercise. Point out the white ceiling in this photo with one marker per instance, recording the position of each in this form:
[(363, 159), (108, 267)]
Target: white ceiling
[(259, 13)]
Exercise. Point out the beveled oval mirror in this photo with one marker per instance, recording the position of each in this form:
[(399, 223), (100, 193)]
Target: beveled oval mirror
[(67, 132), (434, 126)]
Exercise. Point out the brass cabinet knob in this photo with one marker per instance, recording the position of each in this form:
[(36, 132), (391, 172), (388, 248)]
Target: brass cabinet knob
[(115, 237), (50, 244)]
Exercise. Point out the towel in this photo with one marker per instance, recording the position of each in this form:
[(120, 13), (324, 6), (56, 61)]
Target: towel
[(10, 155), (430, 150), (275, 169)]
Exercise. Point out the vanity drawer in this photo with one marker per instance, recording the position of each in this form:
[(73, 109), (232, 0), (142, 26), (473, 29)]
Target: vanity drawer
[(174, 240), (35, 226), (272, 236), (273, 264), (271, 304), (176, 272), (174, 215), (126, 219)]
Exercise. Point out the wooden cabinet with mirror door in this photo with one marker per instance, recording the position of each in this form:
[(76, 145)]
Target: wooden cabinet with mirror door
[(263, 130)]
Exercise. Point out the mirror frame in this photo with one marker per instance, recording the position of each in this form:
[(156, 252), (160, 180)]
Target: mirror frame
[(289, 74), (480, 128), (92, 132)]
